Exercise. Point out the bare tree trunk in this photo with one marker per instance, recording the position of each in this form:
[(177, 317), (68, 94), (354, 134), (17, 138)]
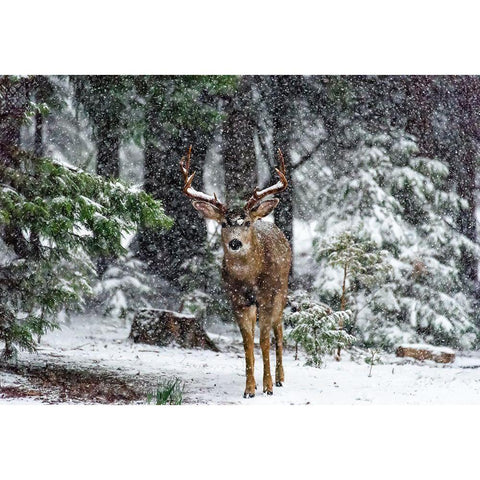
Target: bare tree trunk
[(466, 161), (238, 145), (108, 151), (13, 103), (38, 148), (13, 99), (460, 97), (282, 124), (108, 165), (343, 302), (421, 99)]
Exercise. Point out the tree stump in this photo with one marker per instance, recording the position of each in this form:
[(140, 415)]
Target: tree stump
[(164, 327), (426, 352)]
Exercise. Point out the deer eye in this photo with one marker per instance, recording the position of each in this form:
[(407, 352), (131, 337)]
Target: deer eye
[(224, 224), (247, 224)]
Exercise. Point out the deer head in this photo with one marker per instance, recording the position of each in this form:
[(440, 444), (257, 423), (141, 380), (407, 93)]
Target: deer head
[(237, 231)]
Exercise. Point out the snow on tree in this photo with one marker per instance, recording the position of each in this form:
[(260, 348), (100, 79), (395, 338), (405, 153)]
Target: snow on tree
[(54, 219), (123, 288), (381, 189), (316, 328), (64, 218), (361, 263)]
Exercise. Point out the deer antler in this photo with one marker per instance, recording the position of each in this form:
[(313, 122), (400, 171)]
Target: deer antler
[(278, 187), (190, 191)]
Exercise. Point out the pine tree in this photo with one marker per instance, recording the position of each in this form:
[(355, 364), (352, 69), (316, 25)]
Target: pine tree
[(394, 198), (53, 219)]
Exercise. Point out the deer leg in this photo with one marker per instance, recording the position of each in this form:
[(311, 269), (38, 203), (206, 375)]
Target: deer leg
[(245, 319), (265, 346), (254, 321), (278, 332)]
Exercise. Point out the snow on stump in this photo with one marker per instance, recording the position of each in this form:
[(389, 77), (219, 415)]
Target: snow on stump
[(164, 327), (426, 352)]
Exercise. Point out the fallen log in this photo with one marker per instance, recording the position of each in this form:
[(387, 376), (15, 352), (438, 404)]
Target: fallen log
[(164, 327), (426, 352)]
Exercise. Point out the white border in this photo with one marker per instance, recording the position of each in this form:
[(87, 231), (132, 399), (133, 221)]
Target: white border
[(248, 37)]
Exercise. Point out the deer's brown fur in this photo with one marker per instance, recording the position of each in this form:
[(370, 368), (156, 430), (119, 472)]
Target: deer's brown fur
[(256, 265)]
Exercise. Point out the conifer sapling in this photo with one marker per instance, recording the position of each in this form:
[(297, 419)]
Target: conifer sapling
[(316, 329), (359, 259)]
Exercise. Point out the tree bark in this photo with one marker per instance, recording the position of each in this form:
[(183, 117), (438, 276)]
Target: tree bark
[(108, 151), (13, 104), (465, 159), (282, 100), (38, 147), (426, 352), (108, 166), (13, 101), (460, 99), (420, 109), (238, 149), (165, 253), (163, 327)]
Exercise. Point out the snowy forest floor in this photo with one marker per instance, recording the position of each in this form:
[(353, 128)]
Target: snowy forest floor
[(92, 361)]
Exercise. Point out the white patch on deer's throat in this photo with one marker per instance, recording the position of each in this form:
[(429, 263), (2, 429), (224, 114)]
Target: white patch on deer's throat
[(240, 221)]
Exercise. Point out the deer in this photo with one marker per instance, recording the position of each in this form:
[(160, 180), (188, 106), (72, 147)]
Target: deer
[(255, 268)]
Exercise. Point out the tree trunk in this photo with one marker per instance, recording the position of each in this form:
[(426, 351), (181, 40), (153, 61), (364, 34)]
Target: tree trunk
[(467, 221), (38, 148), (465, 159), (166, 253), (426, 352), (239, 156), (13, 104), (282, 123), (460, 99), (163, 327), (108, 165), (108, 151), (420, 109), (13, 101)]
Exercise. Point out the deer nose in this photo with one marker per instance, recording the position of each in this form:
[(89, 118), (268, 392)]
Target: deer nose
[(235, 244)]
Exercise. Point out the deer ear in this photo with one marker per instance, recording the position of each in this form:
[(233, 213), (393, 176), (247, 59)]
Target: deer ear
[(208, 211), (264, 208)]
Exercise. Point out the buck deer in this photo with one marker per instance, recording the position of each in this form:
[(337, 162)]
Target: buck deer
[(256, 264)]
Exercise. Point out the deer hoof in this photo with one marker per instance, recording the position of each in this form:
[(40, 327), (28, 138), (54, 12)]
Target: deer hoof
[(278, 384), (248, 395), (269, 392)]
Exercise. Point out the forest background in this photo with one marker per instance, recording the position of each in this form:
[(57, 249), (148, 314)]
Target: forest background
[(391, 160)]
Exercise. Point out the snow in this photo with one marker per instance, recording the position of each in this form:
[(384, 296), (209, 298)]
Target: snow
[(269, 190), (218, 378)]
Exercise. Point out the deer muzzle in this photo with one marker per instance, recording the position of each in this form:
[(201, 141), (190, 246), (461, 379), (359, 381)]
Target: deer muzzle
[(235, 244)]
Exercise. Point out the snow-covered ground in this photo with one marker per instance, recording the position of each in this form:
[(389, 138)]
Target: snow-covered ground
[(218, 378)]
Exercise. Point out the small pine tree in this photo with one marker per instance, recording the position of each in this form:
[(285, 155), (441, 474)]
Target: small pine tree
[(316, 329), (360, 260)]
